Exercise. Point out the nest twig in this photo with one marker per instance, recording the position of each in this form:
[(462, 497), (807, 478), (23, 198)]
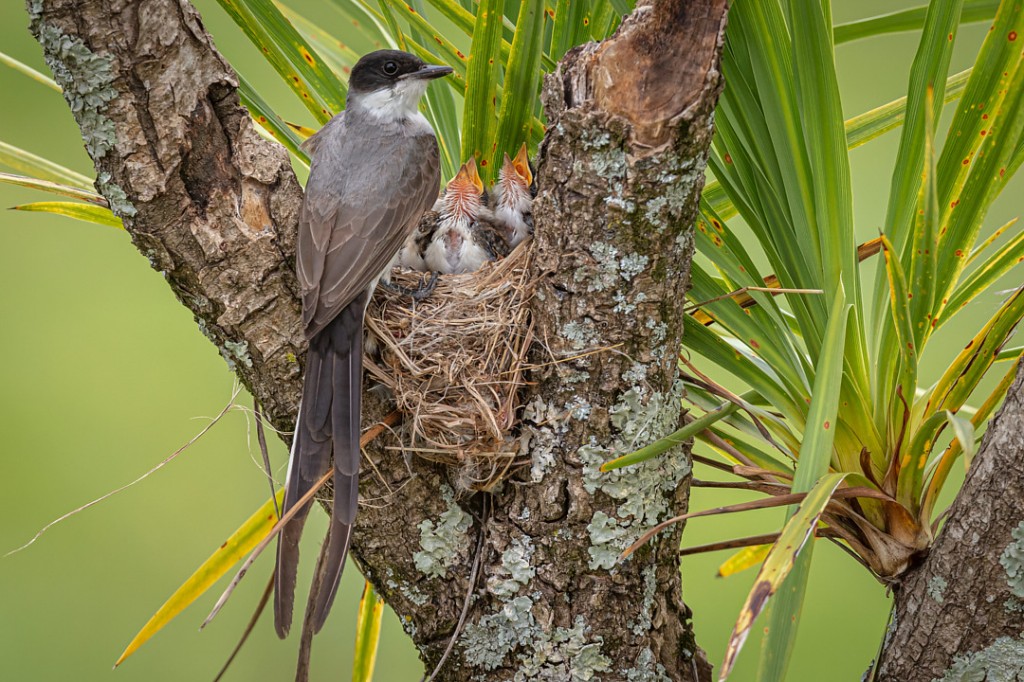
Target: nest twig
[(454, 364)]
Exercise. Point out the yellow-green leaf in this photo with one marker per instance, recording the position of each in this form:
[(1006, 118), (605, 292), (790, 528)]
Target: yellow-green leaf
[(220, 562), (27, 163), (89, 213), (371, 612), (295, 61), (910, 19), (747, 557), (780, 560), (53, 188), (963, 429), (27, 70)]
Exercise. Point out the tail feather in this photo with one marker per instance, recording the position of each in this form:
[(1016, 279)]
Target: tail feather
[(348, 372), (328, 424), (310, 459)]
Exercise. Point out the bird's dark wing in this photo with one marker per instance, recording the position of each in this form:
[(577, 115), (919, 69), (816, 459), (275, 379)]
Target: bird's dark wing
[(491, 236), (352, 224)]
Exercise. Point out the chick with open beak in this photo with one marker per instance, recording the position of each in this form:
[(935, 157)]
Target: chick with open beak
[(513, 198), (466, 235)]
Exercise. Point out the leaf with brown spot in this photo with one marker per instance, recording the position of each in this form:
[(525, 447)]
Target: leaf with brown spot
[(779, 562)]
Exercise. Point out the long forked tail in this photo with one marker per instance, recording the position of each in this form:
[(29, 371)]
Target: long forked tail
[(345, 414), (328, 423)]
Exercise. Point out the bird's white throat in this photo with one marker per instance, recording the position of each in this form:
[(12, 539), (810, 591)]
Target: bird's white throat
[(396, 104)]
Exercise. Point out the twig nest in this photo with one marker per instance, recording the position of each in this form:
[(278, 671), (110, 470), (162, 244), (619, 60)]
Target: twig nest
[(454, 364)]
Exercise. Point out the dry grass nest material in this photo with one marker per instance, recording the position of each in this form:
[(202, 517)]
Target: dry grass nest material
[(454, 363)]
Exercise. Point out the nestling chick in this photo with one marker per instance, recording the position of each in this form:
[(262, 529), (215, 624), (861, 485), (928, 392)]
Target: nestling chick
[(413, 251), (513, 198), (466, 235)]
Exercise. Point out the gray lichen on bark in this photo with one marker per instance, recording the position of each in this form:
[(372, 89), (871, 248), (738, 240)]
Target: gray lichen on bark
[(213, 206)]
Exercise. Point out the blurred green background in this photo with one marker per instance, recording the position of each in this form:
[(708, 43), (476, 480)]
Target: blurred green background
[(105, 374)]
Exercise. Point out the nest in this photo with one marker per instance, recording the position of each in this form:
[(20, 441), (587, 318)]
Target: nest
[(454, 364)]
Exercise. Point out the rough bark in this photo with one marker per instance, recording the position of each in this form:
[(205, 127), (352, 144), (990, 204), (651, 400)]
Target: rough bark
[(210, 203), (960, 614), (213, 206)]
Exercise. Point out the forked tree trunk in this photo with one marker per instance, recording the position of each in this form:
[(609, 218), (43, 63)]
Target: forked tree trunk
[(959, 616), (213, 206)]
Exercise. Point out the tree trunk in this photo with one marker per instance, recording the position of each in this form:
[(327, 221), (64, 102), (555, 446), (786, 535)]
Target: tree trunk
[(213, 206), (959, 616)]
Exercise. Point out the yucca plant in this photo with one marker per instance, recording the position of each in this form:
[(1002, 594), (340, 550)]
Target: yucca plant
[(837, 421), (836, 399)]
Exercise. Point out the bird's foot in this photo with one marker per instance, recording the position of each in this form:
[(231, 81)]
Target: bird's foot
[(416, 293)]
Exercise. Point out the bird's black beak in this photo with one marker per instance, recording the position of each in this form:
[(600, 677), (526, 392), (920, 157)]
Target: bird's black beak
[(429, 72)]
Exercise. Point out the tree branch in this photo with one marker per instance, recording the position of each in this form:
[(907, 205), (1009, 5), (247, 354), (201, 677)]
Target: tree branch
[(959, 615), (213, 206)]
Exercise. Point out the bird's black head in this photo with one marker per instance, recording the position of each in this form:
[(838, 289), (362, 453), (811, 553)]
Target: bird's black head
[(384, 69)]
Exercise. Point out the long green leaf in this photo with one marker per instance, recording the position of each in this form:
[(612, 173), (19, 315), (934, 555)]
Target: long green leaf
[(860, 130), (944, 465), (570, 27), (522, 81), (464, 20), (762, 159), (392, 23), (27, 70), (910, 19), (368, 622), (996, 125), (962, 377), (924, 254), (784, 558), (822, 113), (28, 163), (53, 188), (1009, 256), (679, 437), (89, 213), (479, 118), (812, 465), (899, 305), (298, 64), (241, 542), (929, 68)]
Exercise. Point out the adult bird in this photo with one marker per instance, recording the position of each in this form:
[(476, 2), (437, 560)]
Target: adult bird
[(466, 235), (374, 171)]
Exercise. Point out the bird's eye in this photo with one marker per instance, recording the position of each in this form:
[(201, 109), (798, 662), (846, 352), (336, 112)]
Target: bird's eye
[(390, 68)]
